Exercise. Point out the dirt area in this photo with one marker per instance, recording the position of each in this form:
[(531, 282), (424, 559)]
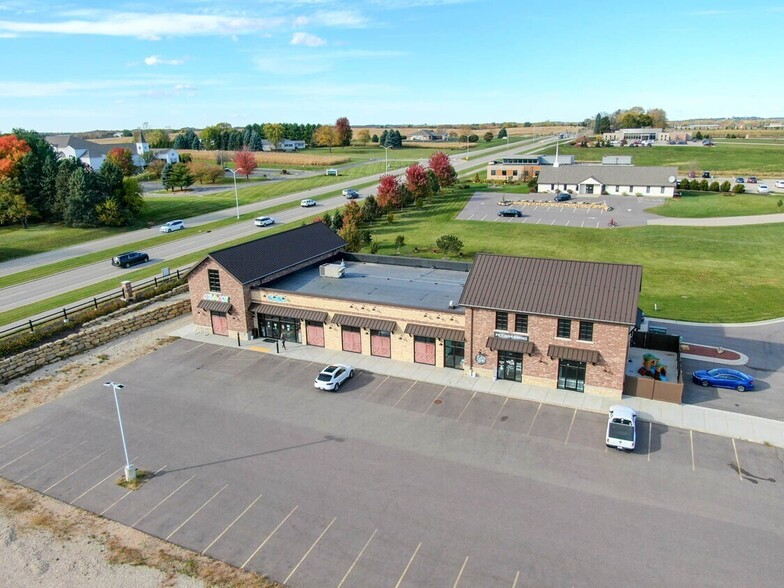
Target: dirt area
[(47, 543)]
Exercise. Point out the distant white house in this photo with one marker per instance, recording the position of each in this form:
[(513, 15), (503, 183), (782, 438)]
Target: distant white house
[(426, 135), (285, 145), (94, 154)]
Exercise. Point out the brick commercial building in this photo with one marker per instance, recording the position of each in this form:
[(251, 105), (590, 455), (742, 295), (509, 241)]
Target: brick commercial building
[(547, 322)]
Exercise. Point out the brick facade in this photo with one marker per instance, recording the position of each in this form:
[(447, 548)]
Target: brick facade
[(239, 319)]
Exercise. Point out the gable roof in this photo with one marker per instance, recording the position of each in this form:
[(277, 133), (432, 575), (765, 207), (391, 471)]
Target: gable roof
[(630, 175), (263, 257), (606, 292), (60, 142)]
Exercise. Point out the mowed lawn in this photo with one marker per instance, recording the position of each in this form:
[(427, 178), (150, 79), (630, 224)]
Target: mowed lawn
[(712, 204), (702, 274)]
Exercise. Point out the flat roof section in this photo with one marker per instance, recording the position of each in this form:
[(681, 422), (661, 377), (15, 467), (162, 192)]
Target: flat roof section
[(418, 287)]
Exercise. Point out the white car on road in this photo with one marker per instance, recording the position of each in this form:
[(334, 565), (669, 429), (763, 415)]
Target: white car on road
[(780, 183), (332, 376), (263, 221), (763, 189), (307, 203), (171, 226)]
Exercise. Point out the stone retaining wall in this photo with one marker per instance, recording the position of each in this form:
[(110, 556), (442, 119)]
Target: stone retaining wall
[(566, 204), (90, 336)]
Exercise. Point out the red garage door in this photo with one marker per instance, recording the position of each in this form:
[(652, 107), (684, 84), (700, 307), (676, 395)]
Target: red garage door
[(220, 324), (352, 339), (315, 332), (425, 350), (380, 343)]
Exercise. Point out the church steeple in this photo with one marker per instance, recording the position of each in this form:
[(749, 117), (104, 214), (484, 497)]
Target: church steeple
[(142, 146)]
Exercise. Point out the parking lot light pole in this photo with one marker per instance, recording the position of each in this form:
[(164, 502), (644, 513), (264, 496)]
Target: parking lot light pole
[(130, 469), (386, 155), (507, 142), (236, 198)]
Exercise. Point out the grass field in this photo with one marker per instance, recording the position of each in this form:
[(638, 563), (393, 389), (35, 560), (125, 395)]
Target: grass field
[(712, 204), (726, 159)]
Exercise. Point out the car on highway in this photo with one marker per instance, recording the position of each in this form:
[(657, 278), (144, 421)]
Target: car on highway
[(706, 175), (510, 212), (350, 193), (130, 258), (752, 180), (780, 183), (171, 226), (724, 378), (562, 197), (308, 202), (763, 189), (332, 376), (740, 181), (621, 428), (263, 221)]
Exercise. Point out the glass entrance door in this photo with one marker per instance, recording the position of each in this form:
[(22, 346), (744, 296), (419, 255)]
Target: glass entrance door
[(510, 366), (571, 375)]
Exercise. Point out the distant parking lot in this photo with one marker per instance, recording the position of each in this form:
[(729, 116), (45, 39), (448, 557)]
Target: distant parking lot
[(395, 482), (627, 210)]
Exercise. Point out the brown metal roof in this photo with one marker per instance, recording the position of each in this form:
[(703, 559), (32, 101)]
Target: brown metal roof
[(365, 322), (434, 332), (606, 292), (214, 305), (304, 314), (574, 354), (515, 345)]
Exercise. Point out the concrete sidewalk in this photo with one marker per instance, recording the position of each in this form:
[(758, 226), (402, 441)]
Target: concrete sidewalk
[(704, 420)]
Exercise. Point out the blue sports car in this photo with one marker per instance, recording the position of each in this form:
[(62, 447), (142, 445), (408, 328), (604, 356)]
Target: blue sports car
[(724, 378)]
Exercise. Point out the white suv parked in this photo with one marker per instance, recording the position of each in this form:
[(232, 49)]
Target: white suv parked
[(171, 226)]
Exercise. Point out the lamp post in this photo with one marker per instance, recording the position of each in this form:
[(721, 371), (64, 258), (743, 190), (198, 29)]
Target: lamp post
[(386, 155), (507, 142), (236, 197), (130, 469)]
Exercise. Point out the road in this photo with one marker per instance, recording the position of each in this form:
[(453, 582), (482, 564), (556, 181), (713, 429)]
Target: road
[(28, 292)]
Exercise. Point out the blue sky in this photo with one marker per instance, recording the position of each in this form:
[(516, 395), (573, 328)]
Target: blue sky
[(71, 66)]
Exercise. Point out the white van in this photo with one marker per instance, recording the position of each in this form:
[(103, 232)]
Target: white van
[(171, 226)]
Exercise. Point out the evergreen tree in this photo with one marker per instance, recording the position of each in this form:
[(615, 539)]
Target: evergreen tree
[(502, 133), (166, 173), (180, 176), (82, 199)]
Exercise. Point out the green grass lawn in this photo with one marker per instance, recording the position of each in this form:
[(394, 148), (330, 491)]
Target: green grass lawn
[(712, 204), (728, 159)]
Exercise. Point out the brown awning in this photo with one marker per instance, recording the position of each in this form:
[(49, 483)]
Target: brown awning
[(434, 332), (574, 354), (303, 314), (514, 345), (214, 305), (364, 322)]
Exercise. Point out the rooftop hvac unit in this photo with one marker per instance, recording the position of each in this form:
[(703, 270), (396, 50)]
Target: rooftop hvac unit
[(331, 270)]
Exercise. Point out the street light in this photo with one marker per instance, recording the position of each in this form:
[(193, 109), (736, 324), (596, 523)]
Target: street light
[(507, 142), (386, 155), (236, 198), (130, 469)]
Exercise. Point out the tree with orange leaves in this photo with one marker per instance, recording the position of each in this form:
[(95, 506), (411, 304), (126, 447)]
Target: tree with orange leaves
[(12, 150), (245, 162)]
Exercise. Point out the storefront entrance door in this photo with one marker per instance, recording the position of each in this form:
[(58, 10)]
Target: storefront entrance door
[(220, 323), (510, 366), (571, 375)]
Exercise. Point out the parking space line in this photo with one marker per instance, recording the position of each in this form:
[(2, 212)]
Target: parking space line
[(408, 565), (650, 432), (517, 577), (570, 427), (691, 442), (19, 481), (357, 559), (139, 520), (26, 453), (499, 411), (404, 393), (440, 392), (263, 543), (114, 473), (76, 470), (376, 388), (195, 513), (231, 525), (531, 428), (460, 574), (307, 553), (20, 436), (466, 406), (124, 495), (737, 459)]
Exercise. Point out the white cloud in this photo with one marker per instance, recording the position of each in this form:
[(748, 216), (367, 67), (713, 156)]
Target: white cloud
[(307, 39), (66, 88), (338, 18), (155, 60)]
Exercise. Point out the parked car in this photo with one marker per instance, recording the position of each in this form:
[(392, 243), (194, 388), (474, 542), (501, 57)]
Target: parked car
[(350, 193), (263, 221), (780, 183), (130, 258), (763, 189), (175, 225), (563, 197), (752, 180), (307, 203), (724, 378), (706, 174), (740, 181), (621, 428), (332, 376), (510, 212)]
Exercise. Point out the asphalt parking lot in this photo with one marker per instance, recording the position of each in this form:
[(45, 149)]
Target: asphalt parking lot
[(627, 211), (394, 482)]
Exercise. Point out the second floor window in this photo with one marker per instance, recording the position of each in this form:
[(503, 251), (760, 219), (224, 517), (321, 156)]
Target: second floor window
[(564, 329), (501, 321), (214, 278), (586, 331), (521, 323)]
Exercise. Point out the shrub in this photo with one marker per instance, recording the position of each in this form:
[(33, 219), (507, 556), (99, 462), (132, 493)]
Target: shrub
[(726, 186), (391, 217), (704, 185), (400, 240), (738, 189), (374, 245), (714, 187), (449, 244)]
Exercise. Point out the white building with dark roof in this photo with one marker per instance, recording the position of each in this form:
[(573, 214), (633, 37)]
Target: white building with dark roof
[(614, 180)]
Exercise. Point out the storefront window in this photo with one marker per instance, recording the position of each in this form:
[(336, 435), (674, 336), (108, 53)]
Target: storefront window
[(273, 327), (454, 354), (510, 366), (571, 375)]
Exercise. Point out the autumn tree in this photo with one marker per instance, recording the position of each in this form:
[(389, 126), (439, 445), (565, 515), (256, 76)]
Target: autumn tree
[(352, 235), (158, 139), (417, 182), (123, 159), (205, 172), (326, 136), (488, 136), (352, 214), (12, 150), (363, 136), (275, 133), (245, 162), (442, 168), (344, 132), (13, 206), (388, 193)]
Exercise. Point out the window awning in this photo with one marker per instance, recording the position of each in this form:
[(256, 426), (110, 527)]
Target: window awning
[(364, 322), (574, 354), (214, 305), (434, 332), (305, 314), (514, 345)]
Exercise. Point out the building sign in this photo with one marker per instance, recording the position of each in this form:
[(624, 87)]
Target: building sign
[(277, 298), (505, 335), (216, 297)]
